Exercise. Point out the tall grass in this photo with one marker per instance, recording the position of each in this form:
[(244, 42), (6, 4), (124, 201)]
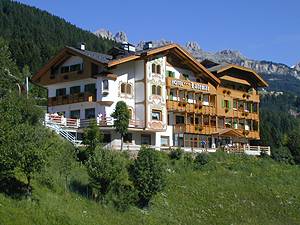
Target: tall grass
[(229, 189)]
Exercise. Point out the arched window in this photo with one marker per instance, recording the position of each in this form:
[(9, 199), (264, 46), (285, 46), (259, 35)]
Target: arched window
[(158, 69), (123, 88), (158, 90), (130, 113), (153, 68), (128, 89), (154, 89)]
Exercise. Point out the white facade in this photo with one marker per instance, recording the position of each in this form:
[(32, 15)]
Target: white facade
[(148, 109)]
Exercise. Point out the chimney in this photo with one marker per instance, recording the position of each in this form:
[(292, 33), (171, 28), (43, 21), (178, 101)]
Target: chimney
[(128, 47), (81, 46), (148, 45)]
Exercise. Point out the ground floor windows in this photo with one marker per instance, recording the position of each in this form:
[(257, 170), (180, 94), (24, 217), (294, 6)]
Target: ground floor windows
[(164, 141), (127, 138), (106, 138), (146, 139), (90, 113), (75, 114)]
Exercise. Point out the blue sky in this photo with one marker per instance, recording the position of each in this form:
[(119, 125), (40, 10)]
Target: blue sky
[(259, 29)]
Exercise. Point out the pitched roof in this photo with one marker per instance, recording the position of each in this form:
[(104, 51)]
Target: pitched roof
[(153, 51), (218, 69), (100, 57)]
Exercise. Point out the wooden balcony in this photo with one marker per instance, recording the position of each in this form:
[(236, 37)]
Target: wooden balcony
[(183, 106), (74, 98), (242, 95), (194, 129)]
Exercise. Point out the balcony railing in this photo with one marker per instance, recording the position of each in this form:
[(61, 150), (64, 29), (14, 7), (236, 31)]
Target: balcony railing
[(82, 123), (72, 98), (197, 107)]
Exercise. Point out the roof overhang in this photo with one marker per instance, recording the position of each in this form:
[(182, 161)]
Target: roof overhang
[(261, 82), (63, 54), (165, 50)]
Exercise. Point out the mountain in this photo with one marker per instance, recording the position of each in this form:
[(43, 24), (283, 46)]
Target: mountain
[(34, 36), (106, 34), (280, 77)]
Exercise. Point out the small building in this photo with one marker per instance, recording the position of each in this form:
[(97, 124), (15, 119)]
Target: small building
[(173, 99)]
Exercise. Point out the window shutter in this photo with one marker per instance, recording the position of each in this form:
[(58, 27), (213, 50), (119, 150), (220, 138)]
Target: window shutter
[(223, 103), (229, 104)]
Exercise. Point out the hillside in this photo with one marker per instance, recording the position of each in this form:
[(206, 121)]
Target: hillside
[(230, 189), (34, 36)]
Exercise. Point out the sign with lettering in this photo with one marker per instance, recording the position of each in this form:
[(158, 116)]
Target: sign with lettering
[(190, 85)]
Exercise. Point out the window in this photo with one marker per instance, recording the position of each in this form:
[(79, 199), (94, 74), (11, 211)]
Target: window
[(156, 114), (91, 88), (226, 104), (153, 68), (179, 119), (158, 69), (158, 90), (170, 73), (74, 90), (130, 113), (64, 69), (255, 107), (154, 89), (75, 67), (164, 141), (128, 138), (106, 138), (105, 84), (90, 113), (206, 120), (235, 104), (206, 99), (61, 92), (146, 139), (128, 89), (75, 114), (185, 76), (123, 88)]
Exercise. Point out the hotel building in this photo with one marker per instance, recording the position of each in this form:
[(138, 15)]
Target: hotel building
[(173, 99)]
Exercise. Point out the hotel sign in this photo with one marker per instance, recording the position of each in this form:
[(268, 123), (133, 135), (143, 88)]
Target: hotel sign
[(190, 85)]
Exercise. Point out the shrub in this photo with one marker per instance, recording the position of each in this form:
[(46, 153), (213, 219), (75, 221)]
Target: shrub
[(122, 196), (106, 169), (176, 153), (282, 154), (200, 160), (148, 175)]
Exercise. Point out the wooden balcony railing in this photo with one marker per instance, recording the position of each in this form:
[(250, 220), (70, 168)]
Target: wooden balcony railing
[(197, 107), (74, 98)]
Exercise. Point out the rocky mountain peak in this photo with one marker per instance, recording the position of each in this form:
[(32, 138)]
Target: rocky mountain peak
[(231, 53), (118, 37), (193, 46), (104, 34), (121, 37), (297, 67)]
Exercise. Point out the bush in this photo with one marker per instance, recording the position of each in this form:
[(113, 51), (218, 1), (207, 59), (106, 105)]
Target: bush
[(176, 153), (148, 175), (282, 154), (122, 196), (201, 159), (106, 169)]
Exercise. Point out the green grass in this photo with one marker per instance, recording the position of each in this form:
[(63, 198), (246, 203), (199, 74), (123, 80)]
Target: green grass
[(228, 190)]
